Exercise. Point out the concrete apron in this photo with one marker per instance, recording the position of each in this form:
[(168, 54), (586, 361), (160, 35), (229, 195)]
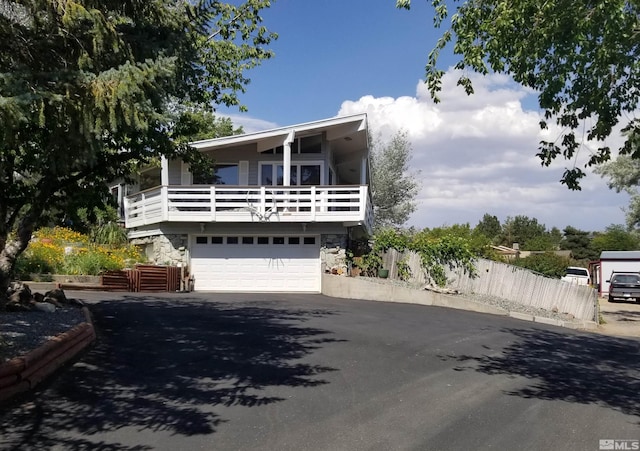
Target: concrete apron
[(621, 318)]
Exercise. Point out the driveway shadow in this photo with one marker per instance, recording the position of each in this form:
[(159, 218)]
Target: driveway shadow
[(623, 302), (580, 368), (165, 364), (623, 315)]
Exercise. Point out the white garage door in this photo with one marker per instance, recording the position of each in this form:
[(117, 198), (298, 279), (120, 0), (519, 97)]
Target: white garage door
[(256, 263)]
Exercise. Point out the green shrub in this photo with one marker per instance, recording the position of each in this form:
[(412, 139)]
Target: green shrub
[(548, 264), (89, 263), (32, 264), (404, 270), (371, 263), (41, 257), (110, 234), (435, 252)]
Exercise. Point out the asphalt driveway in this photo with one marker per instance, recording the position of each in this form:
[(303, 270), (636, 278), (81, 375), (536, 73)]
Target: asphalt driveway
[(308, 372)]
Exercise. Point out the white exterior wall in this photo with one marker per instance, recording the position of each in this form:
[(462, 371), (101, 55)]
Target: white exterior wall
[(172, 241), (175, 172), (608, 266), (249, 153)]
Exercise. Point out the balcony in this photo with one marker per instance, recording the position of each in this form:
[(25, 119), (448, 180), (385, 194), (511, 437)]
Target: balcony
[(350, 205)]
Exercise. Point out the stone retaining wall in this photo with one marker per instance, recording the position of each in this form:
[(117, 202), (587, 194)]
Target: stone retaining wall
[(167, 249), (386, 291), (333, 255)]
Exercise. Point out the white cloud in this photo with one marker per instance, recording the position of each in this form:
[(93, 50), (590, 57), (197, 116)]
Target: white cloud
[(476, 155), (250, 124)]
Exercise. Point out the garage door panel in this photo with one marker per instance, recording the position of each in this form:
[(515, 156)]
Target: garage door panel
[(256, 267)]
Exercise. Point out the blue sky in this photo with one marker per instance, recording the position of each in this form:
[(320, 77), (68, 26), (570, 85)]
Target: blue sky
[(473, 155), (329, 51)]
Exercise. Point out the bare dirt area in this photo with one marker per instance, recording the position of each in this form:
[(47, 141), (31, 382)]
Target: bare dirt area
[(622, 318)]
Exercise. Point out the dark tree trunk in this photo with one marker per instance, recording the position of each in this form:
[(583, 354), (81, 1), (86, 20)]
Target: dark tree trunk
[(12, 249)]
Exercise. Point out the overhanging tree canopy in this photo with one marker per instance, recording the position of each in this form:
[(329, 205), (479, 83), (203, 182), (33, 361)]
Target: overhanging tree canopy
[(581, 56), (87, 88)]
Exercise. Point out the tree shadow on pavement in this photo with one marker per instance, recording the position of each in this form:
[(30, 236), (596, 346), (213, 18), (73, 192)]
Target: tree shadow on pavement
[(578, 368), (623, 315), (165, 364)]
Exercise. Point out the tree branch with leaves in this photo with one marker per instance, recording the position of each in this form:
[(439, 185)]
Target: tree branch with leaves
[(582, 57), (88, 89)]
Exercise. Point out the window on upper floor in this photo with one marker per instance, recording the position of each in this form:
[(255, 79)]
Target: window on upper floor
[(306, 144), (311, 144), (302, 174), (310, 174), (222, 174), (117, 192)]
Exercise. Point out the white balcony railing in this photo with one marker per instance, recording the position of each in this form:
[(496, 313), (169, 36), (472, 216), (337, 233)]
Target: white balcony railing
[(346, 204)]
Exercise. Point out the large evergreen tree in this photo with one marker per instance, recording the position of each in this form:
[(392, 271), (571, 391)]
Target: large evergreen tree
[(490, 227), (578, 242), (88, 90), (523, 230)]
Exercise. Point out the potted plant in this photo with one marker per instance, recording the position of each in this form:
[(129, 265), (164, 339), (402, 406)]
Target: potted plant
[(356, 266)]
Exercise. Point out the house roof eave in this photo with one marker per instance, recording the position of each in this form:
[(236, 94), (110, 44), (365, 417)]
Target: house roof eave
[(336, 128)]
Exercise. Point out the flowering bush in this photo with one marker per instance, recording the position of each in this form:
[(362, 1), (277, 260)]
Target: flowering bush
[(60, 250), (41, 257), (60, 236), (94, 259)]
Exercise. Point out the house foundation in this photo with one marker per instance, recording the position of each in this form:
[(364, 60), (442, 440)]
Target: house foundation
[(166, 249), (333, 253)]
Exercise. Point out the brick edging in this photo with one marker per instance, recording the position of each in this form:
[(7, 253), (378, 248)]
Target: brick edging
[(25, 372)]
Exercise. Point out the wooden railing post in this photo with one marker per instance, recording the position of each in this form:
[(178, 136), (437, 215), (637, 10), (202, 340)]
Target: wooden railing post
[(164, 199), (212, 202), (143, 200), (125, 202)]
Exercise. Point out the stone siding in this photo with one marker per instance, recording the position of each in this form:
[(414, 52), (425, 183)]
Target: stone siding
[(333, 256), (164, 249)]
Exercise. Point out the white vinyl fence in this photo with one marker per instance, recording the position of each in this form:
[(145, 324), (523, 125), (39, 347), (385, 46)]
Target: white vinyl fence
[(508, 282)]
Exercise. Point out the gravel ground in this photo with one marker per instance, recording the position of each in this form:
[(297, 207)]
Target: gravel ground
[(20, 332), (519, 308)]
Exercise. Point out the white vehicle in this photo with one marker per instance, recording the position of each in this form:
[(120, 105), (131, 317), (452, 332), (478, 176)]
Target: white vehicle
[(577, 275)]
